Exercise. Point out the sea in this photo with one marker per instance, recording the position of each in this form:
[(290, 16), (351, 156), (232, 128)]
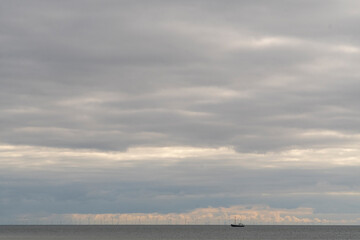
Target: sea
[(169, 232)]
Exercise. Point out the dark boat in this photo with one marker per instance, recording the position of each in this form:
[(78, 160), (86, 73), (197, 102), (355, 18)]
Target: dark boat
[(237, 224)]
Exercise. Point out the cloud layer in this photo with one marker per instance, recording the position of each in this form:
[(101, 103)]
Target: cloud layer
[(123, 107), (210, 215)]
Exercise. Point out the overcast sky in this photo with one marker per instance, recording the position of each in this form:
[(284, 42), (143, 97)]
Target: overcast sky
[(183, 110)]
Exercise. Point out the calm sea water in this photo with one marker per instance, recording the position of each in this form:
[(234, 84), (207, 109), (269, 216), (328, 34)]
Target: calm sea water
[(159, 232)]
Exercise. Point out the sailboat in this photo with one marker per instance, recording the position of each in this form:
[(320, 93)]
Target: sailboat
[(237, 224)]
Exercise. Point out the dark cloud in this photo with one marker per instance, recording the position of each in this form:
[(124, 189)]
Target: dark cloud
[(176, 188)]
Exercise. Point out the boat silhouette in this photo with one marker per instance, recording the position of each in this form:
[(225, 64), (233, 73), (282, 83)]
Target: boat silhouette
[(237, 224)]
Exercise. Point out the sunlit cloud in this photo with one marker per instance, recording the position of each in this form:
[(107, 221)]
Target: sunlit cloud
[(348, 49), (14, 156), (226, 38), (250, 215)]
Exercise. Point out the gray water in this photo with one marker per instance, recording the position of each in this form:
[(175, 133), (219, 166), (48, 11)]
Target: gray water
[(161, 232)]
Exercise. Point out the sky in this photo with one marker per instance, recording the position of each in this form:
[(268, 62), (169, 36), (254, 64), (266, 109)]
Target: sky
[(179, 112)]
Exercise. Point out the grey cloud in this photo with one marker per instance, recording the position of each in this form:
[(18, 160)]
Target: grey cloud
[(153, 187), (115, 75)]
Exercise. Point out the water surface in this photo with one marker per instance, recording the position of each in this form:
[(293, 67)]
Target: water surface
[(168, 232)]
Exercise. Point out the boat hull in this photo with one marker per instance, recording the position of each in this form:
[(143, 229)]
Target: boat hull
[(237, 225)]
